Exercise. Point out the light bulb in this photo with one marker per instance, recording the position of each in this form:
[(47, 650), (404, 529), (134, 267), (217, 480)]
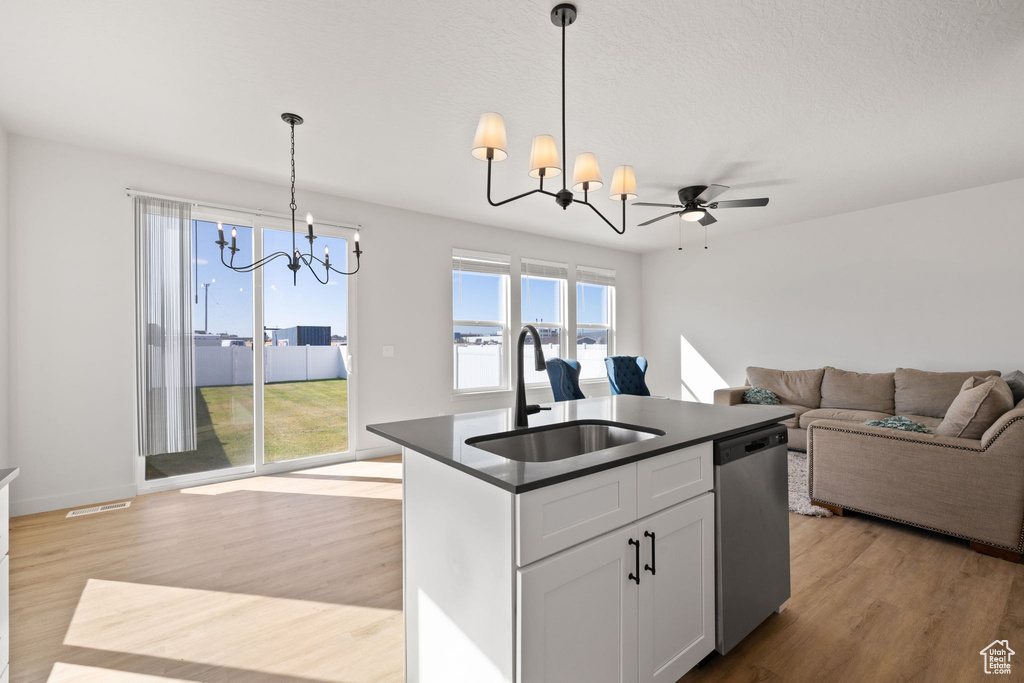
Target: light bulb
[(327, 250), (693, 215), (357, 236), (234, 232), (309, 219)]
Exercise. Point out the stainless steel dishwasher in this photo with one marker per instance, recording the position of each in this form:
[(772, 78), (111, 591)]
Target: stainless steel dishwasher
[(751, 532)]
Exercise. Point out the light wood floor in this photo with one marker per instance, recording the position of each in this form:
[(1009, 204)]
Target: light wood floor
[(297, 577)]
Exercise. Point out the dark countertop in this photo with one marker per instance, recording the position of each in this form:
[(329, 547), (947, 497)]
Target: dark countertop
[(684, 423), (7, 476)]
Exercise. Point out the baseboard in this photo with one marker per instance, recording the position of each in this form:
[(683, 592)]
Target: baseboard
[(71, 500), (378, 452)]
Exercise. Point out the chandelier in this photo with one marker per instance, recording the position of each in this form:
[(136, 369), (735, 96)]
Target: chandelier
[(295, 259), (490, 145)]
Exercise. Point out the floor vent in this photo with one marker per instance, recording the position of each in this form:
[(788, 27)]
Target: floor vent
[(99, 508)]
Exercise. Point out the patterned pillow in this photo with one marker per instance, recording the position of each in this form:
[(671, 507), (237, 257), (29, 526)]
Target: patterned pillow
[(899, 422), (763, 397)]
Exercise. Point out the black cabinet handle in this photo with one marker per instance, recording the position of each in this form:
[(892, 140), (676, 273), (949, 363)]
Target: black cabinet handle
[(632, 576), (650, 567)]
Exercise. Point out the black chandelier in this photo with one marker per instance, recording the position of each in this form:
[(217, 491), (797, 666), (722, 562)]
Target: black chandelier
[(490, 145), (295, 259)]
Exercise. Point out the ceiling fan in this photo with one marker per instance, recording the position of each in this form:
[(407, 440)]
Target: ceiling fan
[(694, 202)]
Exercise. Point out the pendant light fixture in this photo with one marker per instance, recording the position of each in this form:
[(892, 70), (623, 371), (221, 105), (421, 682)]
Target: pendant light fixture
[(490, 144), (295, 259)]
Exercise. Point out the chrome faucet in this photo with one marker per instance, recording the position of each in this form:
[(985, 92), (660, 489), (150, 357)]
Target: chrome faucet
[(522, 409)]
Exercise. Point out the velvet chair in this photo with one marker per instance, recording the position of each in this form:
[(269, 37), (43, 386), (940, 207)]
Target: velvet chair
[(565, 379), (626, 375)]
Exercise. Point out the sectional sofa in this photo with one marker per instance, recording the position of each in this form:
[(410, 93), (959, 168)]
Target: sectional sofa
[(972, 488)]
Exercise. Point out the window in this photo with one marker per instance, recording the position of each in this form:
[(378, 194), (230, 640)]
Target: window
[(595, 330), (543, 285), (479, 320)]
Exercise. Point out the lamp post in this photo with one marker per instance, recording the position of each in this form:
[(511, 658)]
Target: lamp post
[(206, 305)]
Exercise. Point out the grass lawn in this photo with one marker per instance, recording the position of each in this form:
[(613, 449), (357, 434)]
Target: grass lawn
[(301, 419)]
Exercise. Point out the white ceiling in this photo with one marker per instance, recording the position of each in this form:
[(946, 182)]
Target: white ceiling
[(825, 107)]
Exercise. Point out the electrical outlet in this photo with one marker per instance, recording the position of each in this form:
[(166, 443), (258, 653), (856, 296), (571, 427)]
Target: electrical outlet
[(389, 351)]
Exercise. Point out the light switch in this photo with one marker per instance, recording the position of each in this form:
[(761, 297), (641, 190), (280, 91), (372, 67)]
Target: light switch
[(389, 351)]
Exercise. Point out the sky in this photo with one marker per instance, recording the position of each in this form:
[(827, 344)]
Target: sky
[(285, 305)]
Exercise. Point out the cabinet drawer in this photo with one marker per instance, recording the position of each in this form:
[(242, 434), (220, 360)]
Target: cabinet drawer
[(5, 617), (557, 517), (665, 480), (5, 521)]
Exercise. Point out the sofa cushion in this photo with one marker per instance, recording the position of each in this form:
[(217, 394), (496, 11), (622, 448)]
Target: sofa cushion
[(1016, 381), (798, 387), (930, 393), (981, 401), (794, 422), (858, 390), (931, 423), (854, 416)]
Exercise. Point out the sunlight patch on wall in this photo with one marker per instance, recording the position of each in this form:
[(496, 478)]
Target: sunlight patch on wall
[(218, 628), (698, 378)]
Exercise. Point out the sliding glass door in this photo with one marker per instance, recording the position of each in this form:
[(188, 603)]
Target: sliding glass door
[(272, 358), (305, 386)]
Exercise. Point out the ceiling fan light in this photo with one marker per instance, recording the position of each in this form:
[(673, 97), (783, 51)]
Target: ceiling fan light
[(693, 215), (623, 184), (586, 170), (490, 135), (544, 157)]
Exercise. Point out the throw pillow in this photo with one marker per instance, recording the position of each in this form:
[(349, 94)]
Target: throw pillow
[(899, 422), (981, 401), (1016, 382), (763, 397)]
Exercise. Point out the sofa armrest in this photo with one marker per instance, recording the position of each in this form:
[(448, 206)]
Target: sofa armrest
[(958, 486), (730, 396), (1009, 427)]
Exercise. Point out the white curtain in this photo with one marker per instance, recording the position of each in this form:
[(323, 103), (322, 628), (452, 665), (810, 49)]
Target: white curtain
[(163, 286)]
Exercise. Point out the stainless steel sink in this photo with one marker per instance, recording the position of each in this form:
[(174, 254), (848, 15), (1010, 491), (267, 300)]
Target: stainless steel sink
[(566, 440)]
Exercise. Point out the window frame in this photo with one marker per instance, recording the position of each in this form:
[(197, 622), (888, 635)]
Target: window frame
[(504, 294), (609, 328), (563, 306)]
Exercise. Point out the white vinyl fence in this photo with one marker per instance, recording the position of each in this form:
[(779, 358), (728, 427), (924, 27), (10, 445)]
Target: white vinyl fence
[(479, 365), (226, 365)]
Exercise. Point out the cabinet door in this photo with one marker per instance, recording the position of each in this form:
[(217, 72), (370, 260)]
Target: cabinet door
[(577, 614), (677, 589)]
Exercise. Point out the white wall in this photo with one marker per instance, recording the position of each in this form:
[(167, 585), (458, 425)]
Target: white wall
[(71, 259), (4, 335), (934, 283)]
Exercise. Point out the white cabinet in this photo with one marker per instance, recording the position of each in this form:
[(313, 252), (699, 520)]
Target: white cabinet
[(560, 584), (578, 613), (610, 610), (677, 589)]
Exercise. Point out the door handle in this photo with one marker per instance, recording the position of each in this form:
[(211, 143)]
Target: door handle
[(632, 576), (650, 567)]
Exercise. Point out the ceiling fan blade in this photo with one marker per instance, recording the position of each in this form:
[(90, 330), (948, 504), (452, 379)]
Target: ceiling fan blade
[(671, 206), (713, 191), (737, 203), (707, 220), (655, 220)]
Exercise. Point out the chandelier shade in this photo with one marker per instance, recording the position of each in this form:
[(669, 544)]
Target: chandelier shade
[(490, 141), (544, 157), (490, 144), (623, 184), (586, 175)]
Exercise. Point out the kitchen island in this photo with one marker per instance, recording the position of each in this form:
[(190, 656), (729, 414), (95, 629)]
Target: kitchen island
[(581, 564)]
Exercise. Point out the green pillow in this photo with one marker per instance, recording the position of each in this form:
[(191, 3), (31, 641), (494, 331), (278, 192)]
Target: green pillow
[(899, 422), (763, 397)]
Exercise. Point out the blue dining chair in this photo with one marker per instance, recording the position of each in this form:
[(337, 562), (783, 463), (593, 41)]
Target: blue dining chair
[(626, 375), (565, 379)]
